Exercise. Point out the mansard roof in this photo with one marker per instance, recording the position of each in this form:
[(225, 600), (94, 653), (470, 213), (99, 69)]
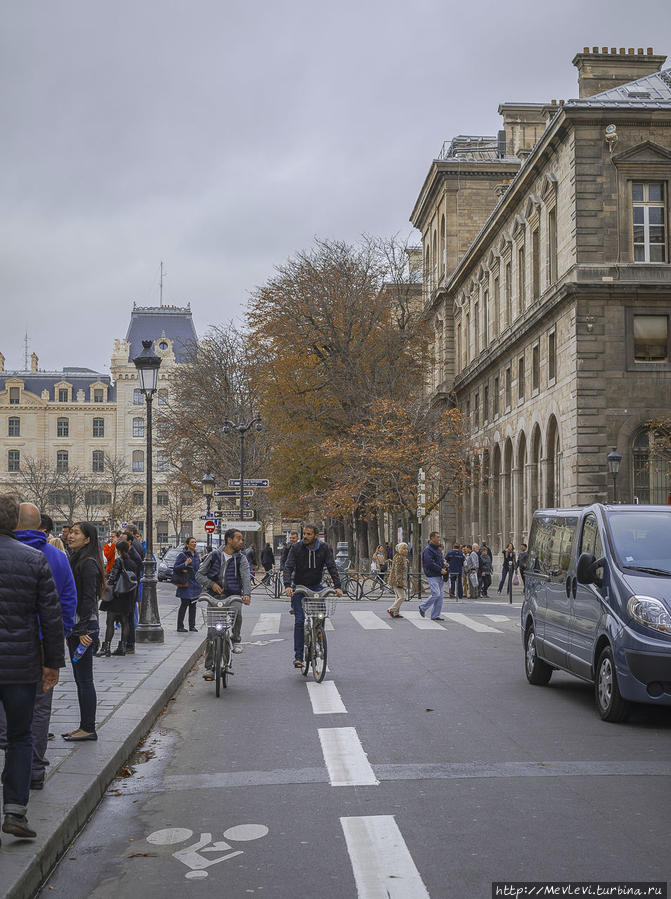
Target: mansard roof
[(80, 378), (651, 90), (154, 322)]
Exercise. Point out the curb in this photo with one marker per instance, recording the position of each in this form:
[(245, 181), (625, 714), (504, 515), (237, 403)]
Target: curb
[(77, 792)]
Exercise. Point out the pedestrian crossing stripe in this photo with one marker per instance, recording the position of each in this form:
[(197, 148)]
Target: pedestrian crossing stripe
[(270, 622)]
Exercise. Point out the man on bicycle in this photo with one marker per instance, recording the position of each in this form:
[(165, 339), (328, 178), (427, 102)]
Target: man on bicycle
[(304, 566), (223, 573)]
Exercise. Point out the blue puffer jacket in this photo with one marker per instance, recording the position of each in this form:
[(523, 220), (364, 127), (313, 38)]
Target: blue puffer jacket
[(193, 588), (60, 569)]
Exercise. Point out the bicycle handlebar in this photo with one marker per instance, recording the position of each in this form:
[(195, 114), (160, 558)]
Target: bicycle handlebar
[(216, 600), (314, 594)]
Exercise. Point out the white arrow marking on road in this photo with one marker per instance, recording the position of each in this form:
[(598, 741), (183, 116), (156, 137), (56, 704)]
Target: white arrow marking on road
[(425, 624), (460, 618), (347, 763), (325, 698), (382, 865), (370, 621), (268, 623)]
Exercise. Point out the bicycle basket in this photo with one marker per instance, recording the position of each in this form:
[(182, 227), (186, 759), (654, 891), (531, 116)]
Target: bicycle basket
[(222, 617), (325, 607)]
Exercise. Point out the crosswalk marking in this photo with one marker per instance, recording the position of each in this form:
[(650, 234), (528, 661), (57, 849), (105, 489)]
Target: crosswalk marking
[(268, 623), (328, 625), (381, 862), (370, 621), (424, 624), (346, 761), (498, 618), (325, 698), (460, 618)]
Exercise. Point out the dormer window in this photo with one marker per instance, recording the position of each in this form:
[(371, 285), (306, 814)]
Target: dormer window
[(63, 395), (163, 345), (14, 396), (98, 396)]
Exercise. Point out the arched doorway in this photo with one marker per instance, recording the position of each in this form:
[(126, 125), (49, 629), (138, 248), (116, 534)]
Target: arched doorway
[(508, 523), (553, 468), (497, 530), (521, 523), (535, 490)]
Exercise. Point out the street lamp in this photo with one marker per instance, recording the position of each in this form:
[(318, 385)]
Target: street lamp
[(208, 493), (149, 628), (242, 430), (614, 459)]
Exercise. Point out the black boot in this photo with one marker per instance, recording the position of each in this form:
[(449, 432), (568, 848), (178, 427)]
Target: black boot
[(121, 649), (104, 650)]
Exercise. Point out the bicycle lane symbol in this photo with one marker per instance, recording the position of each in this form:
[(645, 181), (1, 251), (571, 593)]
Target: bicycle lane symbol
[(191, 855)]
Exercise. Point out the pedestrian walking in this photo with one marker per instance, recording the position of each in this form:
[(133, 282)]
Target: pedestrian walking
[(486, 568), (268, 561), (119, 600), (27, 595), (29, 532), (250, 553), (509, 563), (523, 560), (185, 569), (434, 569), (390, 551), (398, 579), (89, 575), (379, 560), (455, 566), (293, 538), (472, 565)]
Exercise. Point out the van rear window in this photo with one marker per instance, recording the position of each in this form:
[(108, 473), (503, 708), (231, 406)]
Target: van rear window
[(550, 544)]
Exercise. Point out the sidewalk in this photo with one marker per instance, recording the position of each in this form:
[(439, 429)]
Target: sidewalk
[(132, 692)]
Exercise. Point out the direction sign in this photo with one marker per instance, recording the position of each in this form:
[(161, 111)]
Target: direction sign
[(242, 525), (210, 527), (233, 493), (249, 482)]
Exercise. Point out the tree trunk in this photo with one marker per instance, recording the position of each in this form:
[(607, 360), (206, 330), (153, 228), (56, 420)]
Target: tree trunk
[(362, 557), (348, 534), (373, 536)]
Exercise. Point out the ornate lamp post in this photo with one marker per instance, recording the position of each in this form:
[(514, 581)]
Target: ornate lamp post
[(149, 628), (614, 459), (208, 492), (242, 430)]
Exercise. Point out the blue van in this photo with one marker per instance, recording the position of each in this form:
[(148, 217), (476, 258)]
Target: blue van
[(597, 602)]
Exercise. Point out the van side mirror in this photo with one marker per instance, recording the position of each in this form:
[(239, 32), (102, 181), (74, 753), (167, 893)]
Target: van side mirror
[(586, 572)]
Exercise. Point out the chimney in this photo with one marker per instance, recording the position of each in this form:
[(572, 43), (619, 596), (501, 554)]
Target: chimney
[(601, 69), (33, 361)]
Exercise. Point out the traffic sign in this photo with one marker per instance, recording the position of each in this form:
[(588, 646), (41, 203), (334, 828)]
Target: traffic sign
[(249, 482), (234, 493), (242, 525), (210, 527)]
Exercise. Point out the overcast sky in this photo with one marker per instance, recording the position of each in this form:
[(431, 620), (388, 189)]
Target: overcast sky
[(223, 136)]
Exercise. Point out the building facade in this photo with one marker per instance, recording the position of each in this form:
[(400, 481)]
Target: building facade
[(75, 440), (548, 285)]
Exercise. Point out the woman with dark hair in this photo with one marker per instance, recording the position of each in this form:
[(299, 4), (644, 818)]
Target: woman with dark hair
[(509, 565), (184, 570), (89, 574), (120, 606)]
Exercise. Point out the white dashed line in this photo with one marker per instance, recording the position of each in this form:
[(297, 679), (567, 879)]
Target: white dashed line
[(498, 618), (460, 618), (347, 763), (382, 865), (369, 621), (268, 623), (325, 698)]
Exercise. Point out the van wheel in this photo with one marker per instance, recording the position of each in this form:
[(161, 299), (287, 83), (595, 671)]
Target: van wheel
[(538, 672), (612, 707)]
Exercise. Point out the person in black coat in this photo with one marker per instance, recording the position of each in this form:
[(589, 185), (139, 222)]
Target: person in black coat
[(267, 560), (27, 593), (135, 560), (120, 605), (509, 565), (188, 590), (89, 575)]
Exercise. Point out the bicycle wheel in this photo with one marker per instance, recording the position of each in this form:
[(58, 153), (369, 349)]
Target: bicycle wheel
[(226, 661), (307, 651), (218, 651), (319, 655)]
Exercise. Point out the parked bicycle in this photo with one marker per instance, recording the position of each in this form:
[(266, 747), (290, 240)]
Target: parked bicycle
[(219, 621), (318, 606)]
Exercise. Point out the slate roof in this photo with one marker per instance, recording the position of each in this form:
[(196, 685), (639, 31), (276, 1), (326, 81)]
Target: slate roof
[(650, 91), (80, 378), (153, 322)]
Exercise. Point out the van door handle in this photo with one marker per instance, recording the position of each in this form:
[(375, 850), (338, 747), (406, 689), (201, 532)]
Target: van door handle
[(574, 586), (568, 587)]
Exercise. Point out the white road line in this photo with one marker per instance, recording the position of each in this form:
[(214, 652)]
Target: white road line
[(460, 618), (329, 625), (424, 624), (268, 623), (347, 763), (370, 621), (382, 865), (325, 698), (499, 618)]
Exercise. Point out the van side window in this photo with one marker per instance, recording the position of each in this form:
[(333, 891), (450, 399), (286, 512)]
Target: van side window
[(591, 540), (539, 545), (563, 531)]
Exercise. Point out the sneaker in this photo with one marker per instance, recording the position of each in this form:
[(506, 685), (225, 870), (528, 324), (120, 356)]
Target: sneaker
[(193, 630), (130, 650), (439, 618), (182, 630), (208, 676), (298, 663), (422, 612), (237, 648), (37, 783), (291, 611), (17, 825)]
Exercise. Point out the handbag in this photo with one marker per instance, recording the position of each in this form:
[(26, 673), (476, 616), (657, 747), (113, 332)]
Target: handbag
[(107, 598), (125, 583), (516, 581)]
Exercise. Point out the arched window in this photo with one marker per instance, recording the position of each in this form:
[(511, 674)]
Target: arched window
[(650, 475), (138, 460), (138, 427), (443, 246), (435, 259), (63, 427)]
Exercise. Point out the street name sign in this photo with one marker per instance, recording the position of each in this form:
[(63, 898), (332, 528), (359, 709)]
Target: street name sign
[(233, 493), (249, 482), (242, 525)]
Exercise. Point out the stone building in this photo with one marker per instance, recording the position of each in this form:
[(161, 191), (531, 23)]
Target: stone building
[(548, 284), (81, 423)]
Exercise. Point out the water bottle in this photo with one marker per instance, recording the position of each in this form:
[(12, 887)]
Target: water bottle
[(79, 652)]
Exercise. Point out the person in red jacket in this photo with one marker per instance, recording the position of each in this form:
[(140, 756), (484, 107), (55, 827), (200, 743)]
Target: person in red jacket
[(109, 550)]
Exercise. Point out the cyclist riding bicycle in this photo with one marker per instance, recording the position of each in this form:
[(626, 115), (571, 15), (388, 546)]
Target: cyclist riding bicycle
[(225, 573), (304, 566)]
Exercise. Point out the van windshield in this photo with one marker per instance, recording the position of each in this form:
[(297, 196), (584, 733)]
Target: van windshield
[(642, 541)]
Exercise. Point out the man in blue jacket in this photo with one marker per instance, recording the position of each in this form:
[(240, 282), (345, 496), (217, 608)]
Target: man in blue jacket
[(455, 567), (29, 531), (434, 569)]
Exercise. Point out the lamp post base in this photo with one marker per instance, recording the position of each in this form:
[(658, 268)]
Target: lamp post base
[(149, 629), (149, 633)]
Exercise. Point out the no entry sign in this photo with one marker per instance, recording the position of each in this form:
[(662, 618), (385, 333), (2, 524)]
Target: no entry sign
[(210, 526)]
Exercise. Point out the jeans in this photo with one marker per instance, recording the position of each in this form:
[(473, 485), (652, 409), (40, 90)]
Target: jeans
[(236, 604), (299, 621), (436, 585), (456, 580), (86, 691), (507, 572), (18, 701)]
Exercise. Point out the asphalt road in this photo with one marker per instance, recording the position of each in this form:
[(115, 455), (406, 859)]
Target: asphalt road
[(424, 765)]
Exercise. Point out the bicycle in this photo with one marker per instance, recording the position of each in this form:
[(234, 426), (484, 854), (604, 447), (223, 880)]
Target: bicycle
[(317, 606), (219, 621)]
